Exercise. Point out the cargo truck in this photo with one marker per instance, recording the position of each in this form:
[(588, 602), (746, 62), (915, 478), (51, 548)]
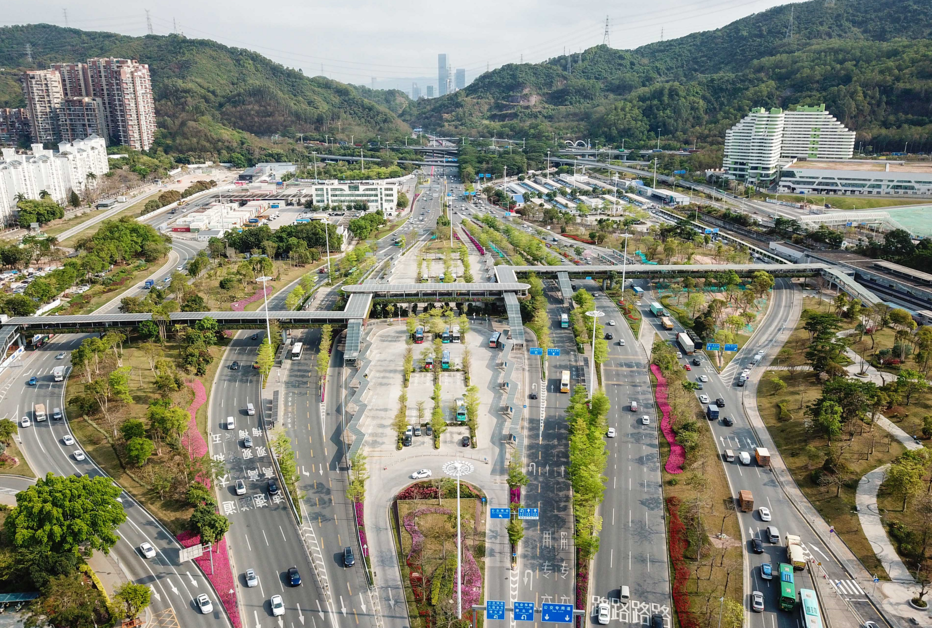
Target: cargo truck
[(149, 283), (59, 373), (746, 501), (711, 412), (657, 310), (40, 412), (686, 344), (794, 552), (667, 322), (763, 456)]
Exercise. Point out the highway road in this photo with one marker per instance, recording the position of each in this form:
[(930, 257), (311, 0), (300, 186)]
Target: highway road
[(759, 480), (633, 549)]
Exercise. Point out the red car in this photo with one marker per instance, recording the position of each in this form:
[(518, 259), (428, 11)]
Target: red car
[(687, 367)]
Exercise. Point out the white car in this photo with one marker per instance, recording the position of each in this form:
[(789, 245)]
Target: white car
[(68, 440), (25, 422), (746, 372), (704, 398), (240, 487), (611, 432), (645, 420), (79, 455), (421, 474), (605, 614), (147, 550), (203, 603), (611, 323), (621, 342), (704, 378), (278, 606), (764, 513), (251, 579)]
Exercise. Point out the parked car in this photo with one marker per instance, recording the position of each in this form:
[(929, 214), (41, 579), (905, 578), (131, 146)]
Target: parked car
[(466, 441)]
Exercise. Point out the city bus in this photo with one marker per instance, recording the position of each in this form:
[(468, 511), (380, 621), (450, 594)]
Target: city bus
[(809, 609), (494, 339), (564, 320), (787, 587), (565, 382), (445, 338), (419, 336), (455, 335), (297, 350), (445, 360), (460, 409)]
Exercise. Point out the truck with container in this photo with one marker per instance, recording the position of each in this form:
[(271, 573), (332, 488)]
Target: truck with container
[(59, 373), (711, 412), (121, 199), (667, 322), (794, 552), (657, 310), (746, 501), (149, 284), (763, 456), (40, 412), (686, 343)]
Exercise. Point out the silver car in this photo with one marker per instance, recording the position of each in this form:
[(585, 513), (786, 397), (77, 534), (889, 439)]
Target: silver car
[(251, 579)]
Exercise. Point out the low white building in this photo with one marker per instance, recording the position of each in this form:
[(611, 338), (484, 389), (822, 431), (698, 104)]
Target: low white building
[(57, 173), (378, 194)]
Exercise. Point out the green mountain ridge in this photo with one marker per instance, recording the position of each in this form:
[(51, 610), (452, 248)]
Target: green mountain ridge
[(868, 62), (210, 99)]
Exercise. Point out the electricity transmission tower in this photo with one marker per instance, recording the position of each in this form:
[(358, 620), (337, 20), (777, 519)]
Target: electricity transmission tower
[(605, 38)]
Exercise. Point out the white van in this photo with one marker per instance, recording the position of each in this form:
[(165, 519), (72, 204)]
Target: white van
[(729, 455), (745, 458), (773, 534), (634, 406), (625, 594), (250, 409)]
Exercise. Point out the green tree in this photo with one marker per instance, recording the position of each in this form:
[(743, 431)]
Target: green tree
[(67, 514), (827, 420), (67, 601), (294, 298), (359, 474), (909, 382), (904, 479), (168, 422), (323, 354), (265, 359), (8, 429), (133, 597), (402, 200), (132, 428), (209, 524), (139, 450)]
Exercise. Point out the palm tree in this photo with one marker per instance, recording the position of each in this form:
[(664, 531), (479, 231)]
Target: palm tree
[(19, 197), (44, 194)]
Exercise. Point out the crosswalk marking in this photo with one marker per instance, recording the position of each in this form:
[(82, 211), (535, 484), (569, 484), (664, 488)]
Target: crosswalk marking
[(848, 587)]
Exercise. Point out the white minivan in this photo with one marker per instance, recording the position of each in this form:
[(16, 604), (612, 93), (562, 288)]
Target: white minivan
[(634, 406)]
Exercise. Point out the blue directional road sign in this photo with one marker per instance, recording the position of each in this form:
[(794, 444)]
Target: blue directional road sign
[(558, 613), (528, 513), (679, 172), (500, 513), (588, 278), (712, 346), (731, 347), (524, 611), (715, 230), (494, 609), (536, 351), (553, 352)]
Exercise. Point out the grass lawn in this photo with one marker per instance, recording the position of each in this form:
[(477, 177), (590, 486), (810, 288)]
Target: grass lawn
[(133, 210), (99, 294), (60, 226), (802, 452), (846, 202), (7, 468), (96, 439), (208, 284), (703, 489)]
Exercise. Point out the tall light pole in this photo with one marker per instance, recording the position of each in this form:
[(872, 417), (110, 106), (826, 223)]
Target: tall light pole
[(458, 469), (327, 237), (265, 293), (594, 314), (548, 165), (624, 263)]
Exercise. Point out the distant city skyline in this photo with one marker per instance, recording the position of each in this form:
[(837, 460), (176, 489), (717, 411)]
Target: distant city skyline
[(537, 31)]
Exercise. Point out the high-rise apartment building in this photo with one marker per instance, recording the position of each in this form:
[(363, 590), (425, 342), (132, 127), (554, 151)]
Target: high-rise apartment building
[(122, 87), (125, 88), (415, 91), (443, 74), (460, 81), (43, 92), (767, 139), (14, 125), (80, 117)]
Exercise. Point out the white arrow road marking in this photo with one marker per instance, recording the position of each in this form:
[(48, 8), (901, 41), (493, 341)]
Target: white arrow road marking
[(820, 551), (528, 575), (342, 606), (391, 601), (281, 622), (155, 593), (192, 579), (172, 585), (305, 473), (257, 618), (362, 602), (300, 614)]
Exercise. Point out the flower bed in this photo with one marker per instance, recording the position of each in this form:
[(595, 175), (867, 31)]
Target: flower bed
[(677, 457), (515, 494), (239, 306), (578, 238), (360, 521), (582, 588), (424, 490), (678, 544)]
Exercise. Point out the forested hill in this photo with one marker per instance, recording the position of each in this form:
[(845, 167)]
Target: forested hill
[(206, 94), (869, 61)]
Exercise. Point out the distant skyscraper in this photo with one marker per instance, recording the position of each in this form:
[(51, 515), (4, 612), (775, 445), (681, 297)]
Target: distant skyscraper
[(430, 91), (42, 90), (460, 78), (443, 74), (415, 91)]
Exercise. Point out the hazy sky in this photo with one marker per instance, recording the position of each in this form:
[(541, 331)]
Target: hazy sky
[(355, 41)]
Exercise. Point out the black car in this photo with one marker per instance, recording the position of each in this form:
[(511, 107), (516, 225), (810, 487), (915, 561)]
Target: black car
[(273, 486), (757, 545), (234, 366), (429, 430), (697, 362), (466, 441), (532, 396), (294, 578), (656, 621), (408, 440), (348, 559), (255, 336), (720, 402), (740, 383), (728, 421), (609, 336)]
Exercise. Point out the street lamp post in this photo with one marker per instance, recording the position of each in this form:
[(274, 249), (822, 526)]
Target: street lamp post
[(721, 607), (594, 314), (458, 469), (265, 293), (624, 263)]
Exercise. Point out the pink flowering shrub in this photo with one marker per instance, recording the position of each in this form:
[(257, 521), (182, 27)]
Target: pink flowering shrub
[(515, 495), (192, 440), (239, 306), (677, 457)]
